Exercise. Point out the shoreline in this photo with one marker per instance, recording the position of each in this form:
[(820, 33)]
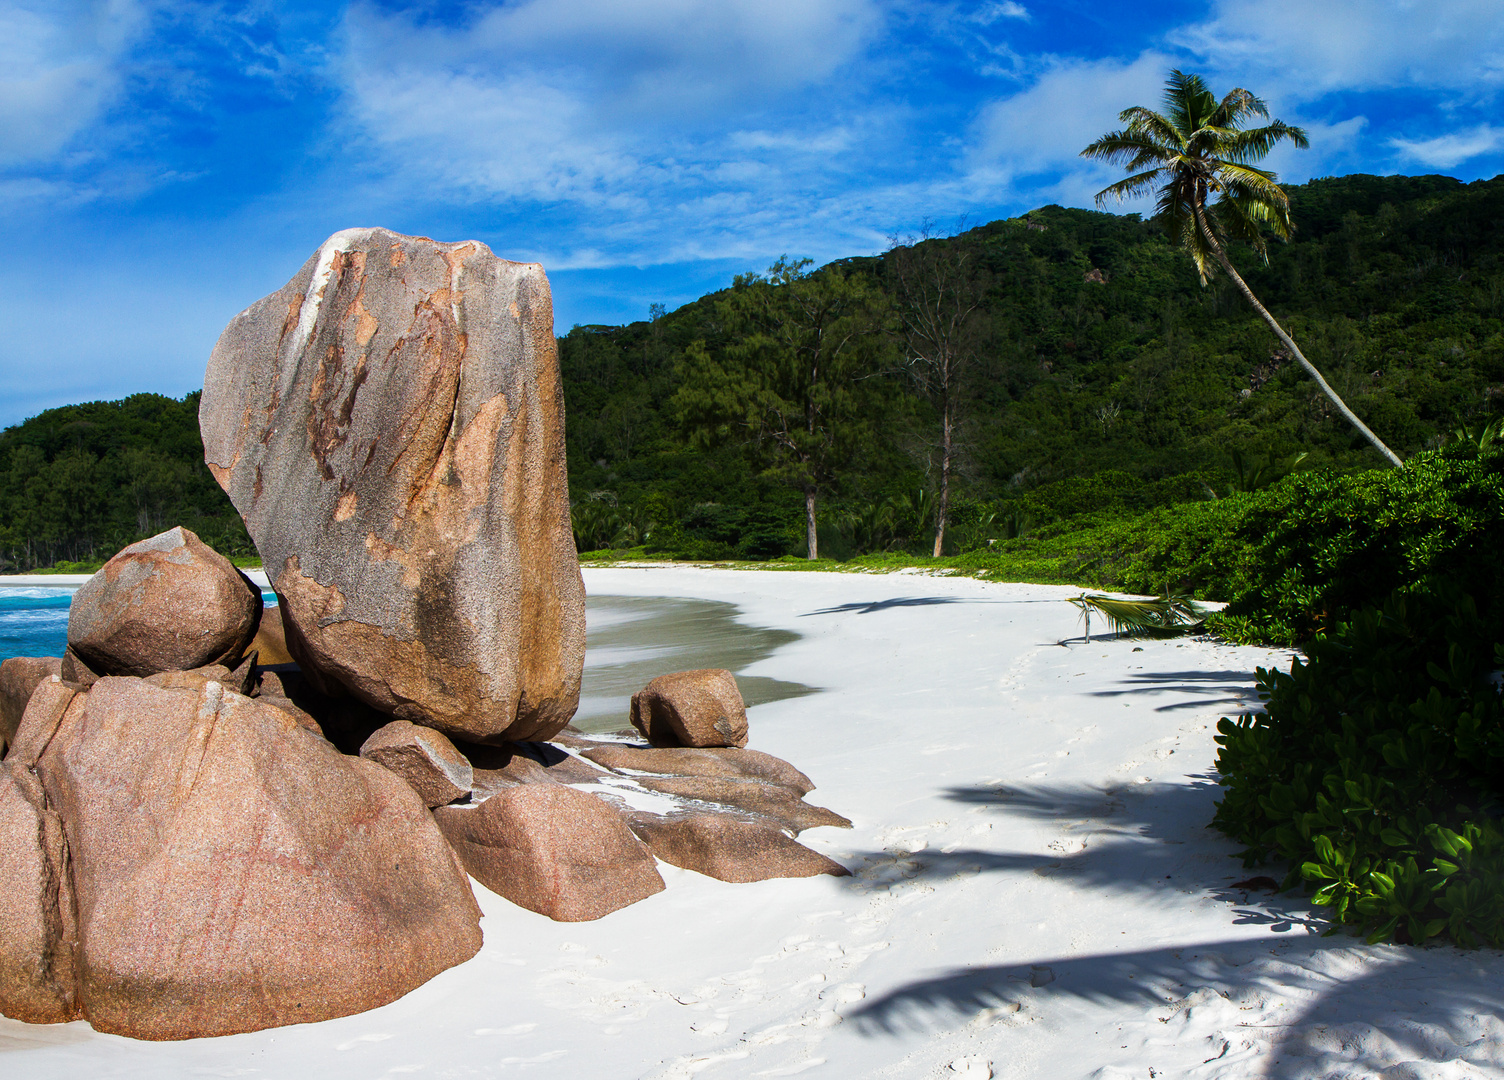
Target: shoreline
[(73, 581)]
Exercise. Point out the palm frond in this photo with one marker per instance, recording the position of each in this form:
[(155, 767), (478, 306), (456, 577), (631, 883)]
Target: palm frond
[(1240, 220), (1480, 436), (1127, 148), (1182, 94), (1255, 144), (1130, 186), (1149, 124), (1168, 613), (1250, 219), (1238, 104)]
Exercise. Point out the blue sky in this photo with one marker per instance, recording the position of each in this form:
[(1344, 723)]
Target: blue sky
[(165, 163)]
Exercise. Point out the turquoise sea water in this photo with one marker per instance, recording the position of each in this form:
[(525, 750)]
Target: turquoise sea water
[(34, 622), (630, 640)]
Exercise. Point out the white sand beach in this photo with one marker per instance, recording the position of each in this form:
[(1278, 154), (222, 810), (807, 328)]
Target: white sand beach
[(1035, 892)]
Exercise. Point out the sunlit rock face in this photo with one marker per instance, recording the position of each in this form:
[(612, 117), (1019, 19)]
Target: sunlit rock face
[(183, 863), (391, 427)]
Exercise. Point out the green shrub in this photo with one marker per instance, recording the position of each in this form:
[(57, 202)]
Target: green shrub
[(1292, 559), (1319, 546), (1376, 770)]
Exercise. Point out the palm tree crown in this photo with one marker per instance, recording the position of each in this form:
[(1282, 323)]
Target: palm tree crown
[(1197, 148)]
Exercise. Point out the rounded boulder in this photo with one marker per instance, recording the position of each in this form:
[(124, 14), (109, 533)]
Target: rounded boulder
[(691, 708), (168, 603)]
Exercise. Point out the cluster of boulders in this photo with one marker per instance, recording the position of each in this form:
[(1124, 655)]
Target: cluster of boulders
[(217, 817)]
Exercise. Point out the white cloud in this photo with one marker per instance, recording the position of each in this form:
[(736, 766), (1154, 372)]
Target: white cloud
[(59, 70), (1042, 129), (637, 61), (1303, 50), (1450, 150), (631, 112), (991, 13)]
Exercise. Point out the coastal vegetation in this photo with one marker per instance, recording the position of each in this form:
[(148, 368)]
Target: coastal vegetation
[(80, 482), (1097, 350)]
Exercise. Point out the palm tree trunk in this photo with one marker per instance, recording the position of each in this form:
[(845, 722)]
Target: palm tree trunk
[(1289, 343)]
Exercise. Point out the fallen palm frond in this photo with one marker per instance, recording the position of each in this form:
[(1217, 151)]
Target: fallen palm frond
[(1171, 613)]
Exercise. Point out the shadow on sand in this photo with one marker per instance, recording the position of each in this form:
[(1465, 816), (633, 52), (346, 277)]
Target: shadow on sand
[(1203, 684), (1358, 1007)]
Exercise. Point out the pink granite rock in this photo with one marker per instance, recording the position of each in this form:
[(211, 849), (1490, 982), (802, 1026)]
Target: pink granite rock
[(552, 849), (424, 758), (691, 708), (168, 603), (232, 871), (19, 676), (391, 427)]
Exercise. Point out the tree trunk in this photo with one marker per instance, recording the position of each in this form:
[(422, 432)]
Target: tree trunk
[(809, 523), (1289, 343), (943, 509)]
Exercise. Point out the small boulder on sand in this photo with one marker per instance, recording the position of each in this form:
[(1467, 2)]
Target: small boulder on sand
[(168, 603), (691, 708), (19, 676), (554, 850), (424, 758)]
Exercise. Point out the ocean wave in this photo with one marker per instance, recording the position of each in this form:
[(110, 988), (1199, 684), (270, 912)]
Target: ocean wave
[(17, 594)]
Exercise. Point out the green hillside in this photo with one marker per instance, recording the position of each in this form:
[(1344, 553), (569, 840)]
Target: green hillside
[(1105, 377), (1103, 353)]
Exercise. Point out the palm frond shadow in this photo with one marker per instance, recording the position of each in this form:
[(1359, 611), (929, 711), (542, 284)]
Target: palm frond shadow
[(1243, 699), (1142, 838), (1129, 838)]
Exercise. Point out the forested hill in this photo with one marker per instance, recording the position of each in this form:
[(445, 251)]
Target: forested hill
[(1101, 373), (1101, 352), (82, 481)]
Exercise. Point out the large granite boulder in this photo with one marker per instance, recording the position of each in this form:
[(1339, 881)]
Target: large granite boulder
[(391, 427), (552, 849), (38, 934), (168, 603), (230, 870), (691, 708), (19, 676)]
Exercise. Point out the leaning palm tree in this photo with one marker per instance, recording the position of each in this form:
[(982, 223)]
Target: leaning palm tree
[(1196, 148)]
